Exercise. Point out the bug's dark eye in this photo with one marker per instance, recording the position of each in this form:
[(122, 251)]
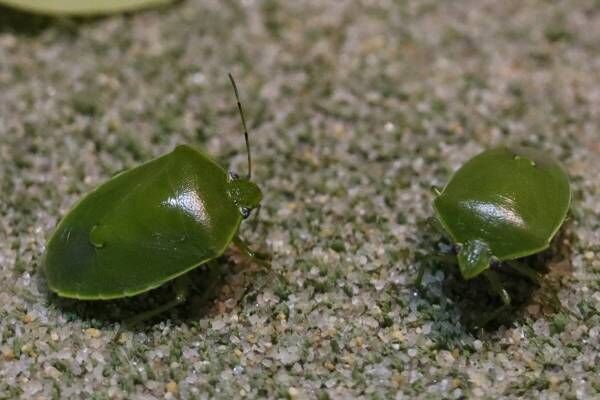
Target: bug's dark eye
[(245, 212), (233, 176)]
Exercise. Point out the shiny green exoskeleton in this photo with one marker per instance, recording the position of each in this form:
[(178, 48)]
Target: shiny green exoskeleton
[(501, 205), (149, 225)]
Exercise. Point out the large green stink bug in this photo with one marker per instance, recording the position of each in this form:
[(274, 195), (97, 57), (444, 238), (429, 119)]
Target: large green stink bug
[(501, 205), (149, 225)]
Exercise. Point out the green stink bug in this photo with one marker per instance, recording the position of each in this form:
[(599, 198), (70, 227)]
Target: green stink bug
[(149, 225), (501, 205)]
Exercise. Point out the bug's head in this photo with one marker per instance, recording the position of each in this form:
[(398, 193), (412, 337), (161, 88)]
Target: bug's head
[(245, 194), (474, 257)]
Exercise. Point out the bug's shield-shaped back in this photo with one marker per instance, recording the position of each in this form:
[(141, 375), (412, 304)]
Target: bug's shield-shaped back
[(143, 228)]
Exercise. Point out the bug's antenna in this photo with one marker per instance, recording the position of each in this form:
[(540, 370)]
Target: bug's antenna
[(241, 110)]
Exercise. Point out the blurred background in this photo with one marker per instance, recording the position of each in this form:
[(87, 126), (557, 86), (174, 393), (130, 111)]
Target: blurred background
[(356, 109)]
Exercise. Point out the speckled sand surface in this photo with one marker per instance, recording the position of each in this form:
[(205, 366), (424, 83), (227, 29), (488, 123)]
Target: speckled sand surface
[(356, 108)]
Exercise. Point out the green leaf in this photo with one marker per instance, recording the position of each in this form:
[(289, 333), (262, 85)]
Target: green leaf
[(81, 7)]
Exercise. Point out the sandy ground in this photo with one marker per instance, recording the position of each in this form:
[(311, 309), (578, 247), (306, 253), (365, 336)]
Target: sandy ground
[(356, 109)]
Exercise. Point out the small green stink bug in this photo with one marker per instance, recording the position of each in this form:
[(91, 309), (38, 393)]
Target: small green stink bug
[(149, 225), (501, 205)]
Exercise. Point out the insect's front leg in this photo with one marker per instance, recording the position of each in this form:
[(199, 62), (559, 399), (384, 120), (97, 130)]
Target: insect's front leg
[(438, 257), (260, 258), (496, 286)]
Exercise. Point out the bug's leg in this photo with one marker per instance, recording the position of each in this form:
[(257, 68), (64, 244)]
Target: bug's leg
[(494, 281), (438, 257), (256, 214), (181, 289), (526, 271), (259, 258), (550, 296), (420, 273), (444, 258), (436, 226), (263, 261)]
